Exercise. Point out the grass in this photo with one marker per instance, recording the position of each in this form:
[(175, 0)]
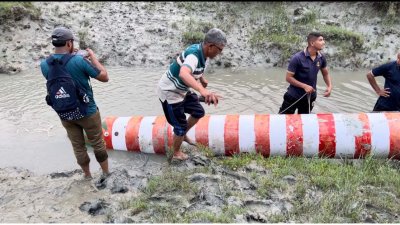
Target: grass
[(321, 190), (342, 36), (195, 31), (346, 188), (170, 181), (17, 10)]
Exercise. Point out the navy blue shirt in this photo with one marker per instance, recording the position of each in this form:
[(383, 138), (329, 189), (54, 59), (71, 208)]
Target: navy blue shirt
[(305, 70), (81, 70), (391, 72)]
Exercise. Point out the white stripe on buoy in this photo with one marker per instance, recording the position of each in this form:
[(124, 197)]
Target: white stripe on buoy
[(247, 136), (380, 134), (216, 128), (146, 134), (346, 126), (310, 135), (277, 135), (119, 128)]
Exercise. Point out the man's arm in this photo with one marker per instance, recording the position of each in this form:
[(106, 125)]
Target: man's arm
[(103, 76), (291, 80), (381, 92), (328, 82), (185, 74), (203, 81)]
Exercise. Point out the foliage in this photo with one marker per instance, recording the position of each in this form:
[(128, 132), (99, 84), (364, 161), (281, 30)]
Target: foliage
[(195, 31), (17, 10), (339, 36)]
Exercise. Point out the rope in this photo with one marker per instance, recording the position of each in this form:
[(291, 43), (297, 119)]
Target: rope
[(309, 106)]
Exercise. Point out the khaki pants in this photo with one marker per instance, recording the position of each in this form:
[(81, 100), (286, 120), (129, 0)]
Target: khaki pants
[(94, 133)]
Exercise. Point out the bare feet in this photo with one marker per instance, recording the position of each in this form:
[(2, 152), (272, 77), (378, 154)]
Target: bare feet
[(180, 156), (189, 141)]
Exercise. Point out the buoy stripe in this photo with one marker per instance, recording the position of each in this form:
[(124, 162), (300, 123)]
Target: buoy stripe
[(146, 134), (118, 133), (231, 135), (201, 130), (394, 129), (158, 135), (294, 135), (216, 128), (132, 133), (108, 131), (310, 135), (347, 127), (277, 135), (261, 129), (327, 145), (380, 135), (247, 136), (363, 141)]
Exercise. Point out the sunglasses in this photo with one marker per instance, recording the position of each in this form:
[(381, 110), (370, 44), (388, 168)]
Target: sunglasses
[(220, 49)]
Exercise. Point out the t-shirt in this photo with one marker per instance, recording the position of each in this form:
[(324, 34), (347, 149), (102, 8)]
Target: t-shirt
[(81, 70), (305, 70), (171, 87), (391, 72)]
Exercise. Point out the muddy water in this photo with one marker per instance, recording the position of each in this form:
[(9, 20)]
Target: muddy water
[(32, 136)]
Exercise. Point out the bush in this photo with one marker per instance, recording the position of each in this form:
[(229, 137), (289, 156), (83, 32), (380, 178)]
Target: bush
[(17, 10)]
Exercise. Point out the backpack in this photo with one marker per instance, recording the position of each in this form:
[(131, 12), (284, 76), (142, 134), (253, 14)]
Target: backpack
[(65, 96)]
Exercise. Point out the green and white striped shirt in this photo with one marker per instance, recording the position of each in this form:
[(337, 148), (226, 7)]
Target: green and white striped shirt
[(171, 87)]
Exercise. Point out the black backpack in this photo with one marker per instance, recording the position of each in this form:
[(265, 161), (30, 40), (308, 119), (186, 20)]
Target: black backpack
[(65, 96)]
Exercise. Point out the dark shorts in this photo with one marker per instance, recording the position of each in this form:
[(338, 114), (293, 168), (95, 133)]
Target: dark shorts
[(301, 105), (383, 104), (175, 113)]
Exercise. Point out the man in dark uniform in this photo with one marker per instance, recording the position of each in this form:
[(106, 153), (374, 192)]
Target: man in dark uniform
[(302, 77), (389, 96)]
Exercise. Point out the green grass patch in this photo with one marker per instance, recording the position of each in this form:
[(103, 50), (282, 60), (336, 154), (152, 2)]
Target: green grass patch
[(170, 181), (195, 31), (342, 37), (17, 10), (328, 190)]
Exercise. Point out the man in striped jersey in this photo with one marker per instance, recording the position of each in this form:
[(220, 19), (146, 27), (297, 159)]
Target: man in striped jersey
[(174, 87)]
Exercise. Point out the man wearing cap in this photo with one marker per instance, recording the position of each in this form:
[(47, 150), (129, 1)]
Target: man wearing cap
[(174, 87), (389, 95), (82, 69)]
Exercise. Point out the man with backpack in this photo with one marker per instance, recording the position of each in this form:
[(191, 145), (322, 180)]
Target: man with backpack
[(70, 95)]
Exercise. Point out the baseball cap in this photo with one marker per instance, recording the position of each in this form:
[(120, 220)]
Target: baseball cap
[(62, 34)]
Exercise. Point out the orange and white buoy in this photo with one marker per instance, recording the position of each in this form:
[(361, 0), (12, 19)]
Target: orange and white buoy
[(332, 135)]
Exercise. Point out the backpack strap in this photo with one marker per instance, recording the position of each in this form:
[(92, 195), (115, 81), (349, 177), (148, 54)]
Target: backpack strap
[(51, 60), (57, 66), (65, 58)]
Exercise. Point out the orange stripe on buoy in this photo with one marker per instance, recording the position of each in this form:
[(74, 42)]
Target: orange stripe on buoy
[(108, 122), (327, 144), (158, 134), (363, 142), (394, 131), (201, 130), (261, 130), (132, 134), (294, 135), (231, 135), (170, 133)]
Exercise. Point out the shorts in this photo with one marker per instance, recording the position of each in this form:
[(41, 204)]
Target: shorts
[(301, 105), (175, 113)]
